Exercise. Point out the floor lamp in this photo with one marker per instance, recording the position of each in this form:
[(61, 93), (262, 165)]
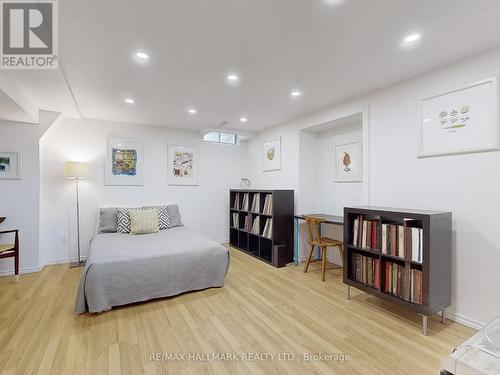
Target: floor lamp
[(76, 171)]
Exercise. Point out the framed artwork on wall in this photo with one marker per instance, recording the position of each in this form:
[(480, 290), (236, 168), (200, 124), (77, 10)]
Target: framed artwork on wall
[(348, 162), (182, 165), (271, 155), (10, 165), (124, 162), (461, 121)]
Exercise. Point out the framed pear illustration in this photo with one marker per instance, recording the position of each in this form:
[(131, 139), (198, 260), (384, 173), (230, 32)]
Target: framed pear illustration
[(348, 162), (271, 155)]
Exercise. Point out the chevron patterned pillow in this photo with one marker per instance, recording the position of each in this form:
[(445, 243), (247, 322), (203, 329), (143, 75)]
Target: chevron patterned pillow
[(163, 217), (123, 220)]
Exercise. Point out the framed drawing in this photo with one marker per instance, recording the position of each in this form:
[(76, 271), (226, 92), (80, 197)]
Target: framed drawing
[(124, 162), (271, 155), (348, 162), (461, 121), (10, 165), (182, 165)]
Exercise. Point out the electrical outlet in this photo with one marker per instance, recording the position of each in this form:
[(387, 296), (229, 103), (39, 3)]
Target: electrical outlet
[(63, 237)]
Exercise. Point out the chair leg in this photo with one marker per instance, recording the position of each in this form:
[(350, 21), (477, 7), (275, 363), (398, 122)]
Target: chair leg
[(323, 262), (16, 268), (309, 259)]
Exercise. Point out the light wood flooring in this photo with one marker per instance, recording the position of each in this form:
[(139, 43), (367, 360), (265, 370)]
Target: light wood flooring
[(259, 310)]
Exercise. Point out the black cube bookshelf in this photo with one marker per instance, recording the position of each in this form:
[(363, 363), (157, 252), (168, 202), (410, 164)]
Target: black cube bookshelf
[(388, 255), (274, 246)]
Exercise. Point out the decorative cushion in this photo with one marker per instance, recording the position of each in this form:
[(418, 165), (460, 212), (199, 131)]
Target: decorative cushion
[(163, 217), (144, 221), (174, 215), (123, 220), (107, 220)]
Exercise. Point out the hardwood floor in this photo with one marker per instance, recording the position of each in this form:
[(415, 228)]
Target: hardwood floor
[(259, 310)]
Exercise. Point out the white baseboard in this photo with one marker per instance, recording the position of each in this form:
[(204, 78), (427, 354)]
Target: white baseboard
[(38, 269), (61, 261), (466, 321), (21, 271)]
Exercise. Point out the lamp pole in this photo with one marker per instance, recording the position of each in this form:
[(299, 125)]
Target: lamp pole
[(79, 262)]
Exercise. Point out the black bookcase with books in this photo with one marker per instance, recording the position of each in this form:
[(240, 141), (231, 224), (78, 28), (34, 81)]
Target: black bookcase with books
[(261, 224), (402, 255)]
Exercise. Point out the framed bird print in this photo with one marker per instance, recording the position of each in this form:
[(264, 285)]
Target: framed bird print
[(271, 155), (348, 162)]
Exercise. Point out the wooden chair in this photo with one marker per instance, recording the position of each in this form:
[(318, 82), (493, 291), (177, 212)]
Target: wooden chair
[(315, 239), (10, 250)]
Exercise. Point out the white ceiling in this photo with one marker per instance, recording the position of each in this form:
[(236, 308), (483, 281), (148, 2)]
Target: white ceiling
[(331, 52)]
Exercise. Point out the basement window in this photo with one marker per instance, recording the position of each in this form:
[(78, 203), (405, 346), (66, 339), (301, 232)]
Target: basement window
[(219, 137)]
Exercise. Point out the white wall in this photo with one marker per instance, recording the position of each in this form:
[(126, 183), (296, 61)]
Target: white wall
[(203, 208), (467, 185), (19, 198)]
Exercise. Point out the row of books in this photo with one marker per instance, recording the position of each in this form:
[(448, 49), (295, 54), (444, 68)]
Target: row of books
[(403, 241), (236, 221), (247, 226), (403, 282), (365, 233), (255, 206), (253, 226), (236, 205), (256, 226), (268, 205), (366, 270), (268, 228), (246, 202), (256, 203), (400, 281)]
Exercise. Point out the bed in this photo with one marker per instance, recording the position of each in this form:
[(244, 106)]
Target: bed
[(123, 268)]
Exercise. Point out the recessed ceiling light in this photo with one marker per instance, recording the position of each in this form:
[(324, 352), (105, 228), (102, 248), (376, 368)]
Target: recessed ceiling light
[(232, 77), (129, 101), (192, 111), (412, 38), (142, 55), (243, 119), (296, 93), (334, 2), (427, 119)]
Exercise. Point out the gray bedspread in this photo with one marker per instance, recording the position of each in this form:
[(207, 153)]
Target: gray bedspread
[(123, 268)]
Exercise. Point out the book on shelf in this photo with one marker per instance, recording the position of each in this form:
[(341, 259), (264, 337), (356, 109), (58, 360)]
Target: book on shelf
[(268, 205), (403, 282), (268, 228), (366, 270), (235, 220), (365, 233), (402, 241), (256, 203), (237, 201), (248, 223), (245, 204), (256, 226)]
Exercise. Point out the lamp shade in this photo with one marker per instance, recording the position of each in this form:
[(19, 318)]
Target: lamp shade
[(75, 170)]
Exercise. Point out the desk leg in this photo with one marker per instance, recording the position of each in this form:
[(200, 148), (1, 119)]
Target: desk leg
[(296, 241)]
